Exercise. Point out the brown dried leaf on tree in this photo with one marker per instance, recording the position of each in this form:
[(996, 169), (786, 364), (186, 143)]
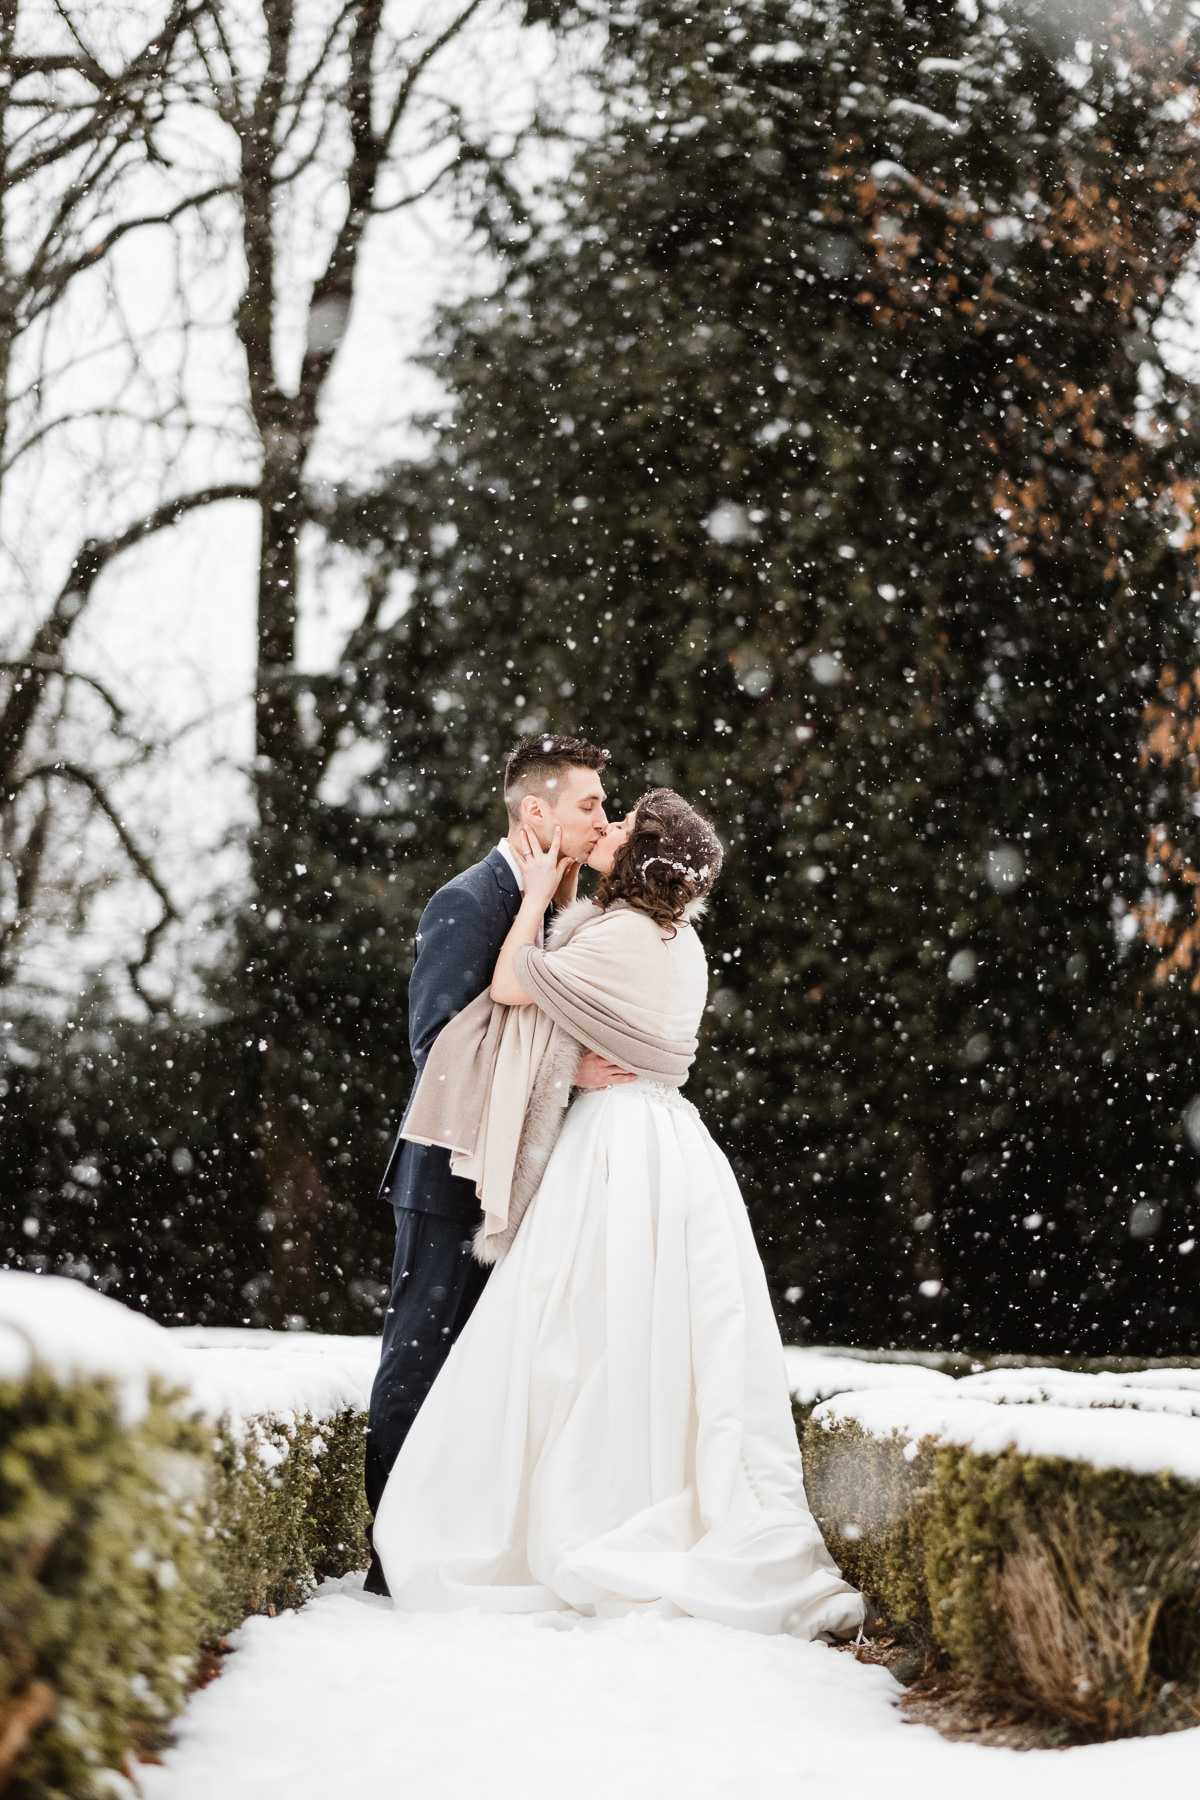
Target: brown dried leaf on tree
[(22, 1712), (1169, 914)]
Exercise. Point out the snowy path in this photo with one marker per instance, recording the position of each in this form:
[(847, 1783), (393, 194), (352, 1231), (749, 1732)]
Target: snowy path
[(348, 1698)]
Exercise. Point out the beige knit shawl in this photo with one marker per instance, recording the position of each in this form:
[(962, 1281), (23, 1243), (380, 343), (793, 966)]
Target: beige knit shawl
[(497, 1082)]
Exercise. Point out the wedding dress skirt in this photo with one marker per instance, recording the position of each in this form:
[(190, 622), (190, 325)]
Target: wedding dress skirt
[(613, 1427)]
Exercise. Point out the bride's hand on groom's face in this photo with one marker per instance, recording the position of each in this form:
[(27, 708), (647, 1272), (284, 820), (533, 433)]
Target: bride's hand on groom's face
[(547, 873)]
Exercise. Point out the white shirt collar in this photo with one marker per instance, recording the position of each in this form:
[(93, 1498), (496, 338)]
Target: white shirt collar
[(505, 849)]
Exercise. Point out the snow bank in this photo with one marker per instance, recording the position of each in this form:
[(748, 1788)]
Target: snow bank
[(1141, 1442), (77, 1333), (818, 1374)]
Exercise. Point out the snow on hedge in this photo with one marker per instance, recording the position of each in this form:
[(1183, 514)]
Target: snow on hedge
[(1146, 1390), (77, 1334), (238, 1373), (1143, 1421), (1143, 1442), (818, 1374)]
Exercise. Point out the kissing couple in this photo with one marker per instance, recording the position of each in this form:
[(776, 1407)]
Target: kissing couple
[(581, 1404)]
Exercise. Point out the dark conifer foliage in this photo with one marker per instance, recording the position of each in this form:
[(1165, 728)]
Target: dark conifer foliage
[(131, 1159), (816, 454)]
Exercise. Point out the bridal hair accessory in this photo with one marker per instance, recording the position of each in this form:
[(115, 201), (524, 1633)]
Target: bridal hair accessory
[(693, 872)]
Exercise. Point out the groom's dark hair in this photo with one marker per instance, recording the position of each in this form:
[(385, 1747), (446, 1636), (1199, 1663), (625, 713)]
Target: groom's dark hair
[(538, 762)]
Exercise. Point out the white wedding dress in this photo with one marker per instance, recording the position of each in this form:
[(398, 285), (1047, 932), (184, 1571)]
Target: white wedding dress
[(613, 1431)]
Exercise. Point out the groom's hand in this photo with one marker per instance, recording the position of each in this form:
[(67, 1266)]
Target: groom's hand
[(595, 1071)]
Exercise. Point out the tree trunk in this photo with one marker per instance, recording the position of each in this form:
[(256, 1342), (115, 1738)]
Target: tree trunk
[(299, 1200), (284, 773), (288, 767)]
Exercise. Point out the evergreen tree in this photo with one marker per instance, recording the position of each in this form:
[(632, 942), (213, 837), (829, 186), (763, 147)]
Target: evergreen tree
[(132, 1156), (817, 455)]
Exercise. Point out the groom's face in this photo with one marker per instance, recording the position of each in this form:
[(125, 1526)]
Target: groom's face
[(576, 805)]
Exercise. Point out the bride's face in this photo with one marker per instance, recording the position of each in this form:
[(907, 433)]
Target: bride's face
[(604, 855)]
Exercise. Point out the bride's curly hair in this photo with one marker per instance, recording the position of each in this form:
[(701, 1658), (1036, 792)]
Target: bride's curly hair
[(671, 857)]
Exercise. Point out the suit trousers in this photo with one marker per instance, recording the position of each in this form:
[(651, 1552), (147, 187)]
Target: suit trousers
[(435, 1284)]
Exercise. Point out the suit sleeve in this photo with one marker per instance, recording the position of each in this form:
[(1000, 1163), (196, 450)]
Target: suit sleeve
[(455, 956)]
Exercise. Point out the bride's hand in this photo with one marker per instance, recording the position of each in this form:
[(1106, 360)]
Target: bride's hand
[(543, 871)]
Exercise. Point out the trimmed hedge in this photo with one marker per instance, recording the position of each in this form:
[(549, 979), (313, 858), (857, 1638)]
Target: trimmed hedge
[(288, 1507), (872, 1503), (128, 1548), (1063, 1591)]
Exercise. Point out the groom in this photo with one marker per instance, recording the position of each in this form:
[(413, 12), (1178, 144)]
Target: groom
[(548, 782)]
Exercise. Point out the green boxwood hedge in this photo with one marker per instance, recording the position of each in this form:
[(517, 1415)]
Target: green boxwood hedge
[(287, 1508), (1060, 1590), (128, 1548), (872, 1504)]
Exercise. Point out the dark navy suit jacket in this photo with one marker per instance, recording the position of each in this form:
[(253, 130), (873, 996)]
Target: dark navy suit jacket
[(458, 941)]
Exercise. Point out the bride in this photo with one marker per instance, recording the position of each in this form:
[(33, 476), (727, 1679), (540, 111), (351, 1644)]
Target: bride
[(612, 1431)]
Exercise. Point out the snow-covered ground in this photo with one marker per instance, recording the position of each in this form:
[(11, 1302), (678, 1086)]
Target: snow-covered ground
[(349, 1698)]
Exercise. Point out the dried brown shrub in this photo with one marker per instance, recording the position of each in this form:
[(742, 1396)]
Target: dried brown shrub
[(1080, 1638)]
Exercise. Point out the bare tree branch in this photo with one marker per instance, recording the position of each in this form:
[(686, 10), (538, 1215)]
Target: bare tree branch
[(139, 75), (298, 92), (320, 61), (97, 553), (66, 272), (32, 439), (418, 67), (49, 667), (84, 778), (76, 141), (431, 187), (22, 67), (45, 651)]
